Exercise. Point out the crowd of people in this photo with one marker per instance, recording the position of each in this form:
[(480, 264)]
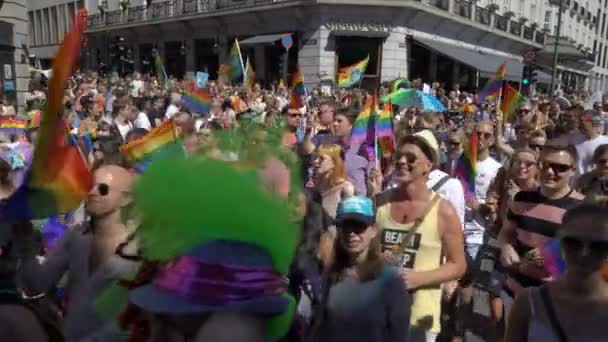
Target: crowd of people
[(393, 248)]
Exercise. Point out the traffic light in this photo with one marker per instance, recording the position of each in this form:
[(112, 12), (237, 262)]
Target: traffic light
[(528, 78)]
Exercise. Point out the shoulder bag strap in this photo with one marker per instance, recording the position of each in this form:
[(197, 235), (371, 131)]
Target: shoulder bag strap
[(557, 327), (440, 183), (410, 234)]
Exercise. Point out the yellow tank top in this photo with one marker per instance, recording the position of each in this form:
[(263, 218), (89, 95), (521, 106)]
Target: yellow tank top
[(423, 253)]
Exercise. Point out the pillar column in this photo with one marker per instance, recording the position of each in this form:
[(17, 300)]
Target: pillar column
[(223, 48), (317, 55), (260, 63), (456, 73), (394, 57), (190, 56)]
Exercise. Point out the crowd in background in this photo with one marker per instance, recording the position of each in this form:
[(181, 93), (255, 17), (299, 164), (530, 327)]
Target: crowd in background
[(393, 249)]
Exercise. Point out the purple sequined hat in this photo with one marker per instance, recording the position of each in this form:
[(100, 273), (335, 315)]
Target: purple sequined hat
[(218, 276)]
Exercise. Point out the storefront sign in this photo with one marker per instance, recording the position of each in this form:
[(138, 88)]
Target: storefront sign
[(311, 42), (8, 72), (9, 86), (374, 26)]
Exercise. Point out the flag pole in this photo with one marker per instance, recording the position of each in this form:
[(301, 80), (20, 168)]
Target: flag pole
[(238, 48)]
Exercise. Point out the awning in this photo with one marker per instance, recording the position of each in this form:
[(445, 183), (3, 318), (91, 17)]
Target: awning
[(543, 77), (263, 39), (486, 63)]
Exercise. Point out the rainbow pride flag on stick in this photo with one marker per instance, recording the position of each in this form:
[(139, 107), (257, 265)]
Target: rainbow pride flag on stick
[(59, 179), (297, 89), (363, 128), (195, 99), (159, 141), (233, 70), (385, 134), (494, 85), (159, 67), (511, 99), (352, 74), (466, 167), (12, 126)]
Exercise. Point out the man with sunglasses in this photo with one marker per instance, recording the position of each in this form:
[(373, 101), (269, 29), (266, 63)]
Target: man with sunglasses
[(418, 228), (88, 254), (477, 211), (534, 218), (590, 126)]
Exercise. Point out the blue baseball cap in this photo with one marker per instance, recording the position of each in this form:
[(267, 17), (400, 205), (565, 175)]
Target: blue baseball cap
[(356, 208)]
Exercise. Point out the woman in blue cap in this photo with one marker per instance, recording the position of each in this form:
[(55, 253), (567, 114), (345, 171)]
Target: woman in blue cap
[(363, 299)]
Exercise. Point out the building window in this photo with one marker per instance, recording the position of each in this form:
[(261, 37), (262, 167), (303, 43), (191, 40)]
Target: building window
[(31, 29), (604, 59), (533, 12), (71, 13), (54, 26), (600, 54)]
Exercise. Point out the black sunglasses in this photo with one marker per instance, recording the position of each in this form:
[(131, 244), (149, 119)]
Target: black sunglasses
[(409, 157), (556, 168), (293, 115), (353, 226), (573, 244)]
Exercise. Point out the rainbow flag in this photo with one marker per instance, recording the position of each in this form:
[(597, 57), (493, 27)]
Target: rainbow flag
[(233, 70), (159, 67), (363, 128), (494, 85), (297, 89), (195, 99), (511, 99), (59, 179), (351, 75), (146, 147), (384, 129), (249, 81), (466, 167), (12, 126)]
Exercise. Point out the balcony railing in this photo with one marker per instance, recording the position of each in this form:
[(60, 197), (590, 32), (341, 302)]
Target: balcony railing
[(515, 28), (462, 8), (501, 23), (482, 16), (178, 8)]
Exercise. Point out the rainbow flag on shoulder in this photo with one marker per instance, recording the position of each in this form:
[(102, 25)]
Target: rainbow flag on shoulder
[(352, 74), (12, 126)]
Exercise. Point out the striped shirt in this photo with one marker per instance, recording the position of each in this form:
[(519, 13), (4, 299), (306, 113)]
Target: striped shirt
[(537, 220)]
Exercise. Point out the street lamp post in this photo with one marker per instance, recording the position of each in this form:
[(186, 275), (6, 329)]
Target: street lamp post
[(555, 48)]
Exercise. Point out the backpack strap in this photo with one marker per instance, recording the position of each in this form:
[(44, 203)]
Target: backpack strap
[(552, 315)]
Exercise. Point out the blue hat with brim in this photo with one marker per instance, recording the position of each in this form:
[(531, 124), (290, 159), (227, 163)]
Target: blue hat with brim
[(356, 208)]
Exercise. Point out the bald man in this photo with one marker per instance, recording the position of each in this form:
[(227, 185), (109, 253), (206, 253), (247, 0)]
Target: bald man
[(87, 252)]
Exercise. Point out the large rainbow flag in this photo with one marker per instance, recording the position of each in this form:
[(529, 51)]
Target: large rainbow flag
[(59, 179), (297, 89), (363, 128), (195, 99), (511, 99), (494, 85), (466, 167), (233, 69), (352, 74)]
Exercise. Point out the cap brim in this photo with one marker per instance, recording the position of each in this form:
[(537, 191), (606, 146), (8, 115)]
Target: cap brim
[(355, 217), (155, 300)]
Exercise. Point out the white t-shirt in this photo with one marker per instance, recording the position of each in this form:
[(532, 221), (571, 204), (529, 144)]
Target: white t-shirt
[(124, 129), (142, 121), (136, 85), (451, 190), (171, 110), (585, 150), (475, 224)]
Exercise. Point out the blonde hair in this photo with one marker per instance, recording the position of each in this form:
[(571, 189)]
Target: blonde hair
[(335, 153)]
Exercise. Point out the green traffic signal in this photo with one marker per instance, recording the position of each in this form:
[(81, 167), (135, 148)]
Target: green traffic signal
[(525, 81)]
